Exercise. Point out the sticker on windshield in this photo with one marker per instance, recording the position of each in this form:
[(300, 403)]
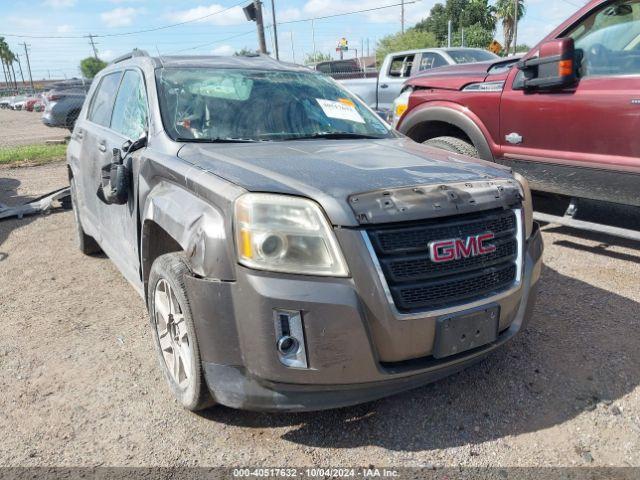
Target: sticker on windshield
[(340, 110)]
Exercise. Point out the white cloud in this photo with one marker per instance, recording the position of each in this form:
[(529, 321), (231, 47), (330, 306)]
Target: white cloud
[(107, 55), (217, 15), (287, 15), (120, 17), (59, 3), (413, 12), (64, 28), (223, 50)]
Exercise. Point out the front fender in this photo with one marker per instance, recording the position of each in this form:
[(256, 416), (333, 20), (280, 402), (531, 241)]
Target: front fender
[(196, 225), (454, 114)]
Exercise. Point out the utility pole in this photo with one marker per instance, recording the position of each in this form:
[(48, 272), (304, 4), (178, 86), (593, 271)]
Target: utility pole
[(515, 26), (462, 32), (26, 54), (449, 25), (367, 46), (402, 15), (313, 37), (93, 45), (275, 28), (260, 24), (293, 52), (20, 66)]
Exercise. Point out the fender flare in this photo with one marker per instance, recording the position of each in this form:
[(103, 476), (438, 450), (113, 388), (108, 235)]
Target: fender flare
[(196, 225), (452, 116)]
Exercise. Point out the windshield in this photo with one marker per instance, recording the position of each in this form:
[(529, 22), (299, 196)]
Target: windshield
[(471, 56), (211, 104)]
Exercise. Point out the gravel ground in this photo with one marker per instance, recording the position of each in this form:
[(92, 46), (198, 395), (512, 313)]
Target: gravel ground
[(26, 128), (81, 386)]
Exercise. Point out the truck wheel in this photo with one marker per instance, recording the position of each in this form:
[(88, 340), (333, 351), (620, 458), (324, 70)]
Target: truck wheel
[(86, 243), (453, 144), (174, 332)]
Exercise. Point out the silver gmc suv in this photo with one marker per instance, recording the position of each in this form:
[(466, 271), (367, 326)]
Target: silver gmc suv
[(295, 252)]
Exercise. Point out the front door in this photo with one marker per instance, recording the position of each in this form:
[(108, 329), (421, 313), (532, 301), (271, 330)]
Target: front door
[(128, 123), (399, 69), (583, 141)]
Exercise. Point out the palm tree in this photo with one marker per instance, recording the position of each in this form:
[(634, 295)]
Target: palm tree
[(505, 10), (3, 49)]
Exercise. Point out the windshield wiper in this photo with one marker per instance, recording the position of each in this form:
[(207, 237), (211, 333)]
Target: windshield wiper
[(215, 140), (335, 136)]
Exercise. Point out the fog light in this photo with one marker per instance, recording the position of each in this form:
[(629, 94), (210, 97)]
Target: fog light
[(290, 343)]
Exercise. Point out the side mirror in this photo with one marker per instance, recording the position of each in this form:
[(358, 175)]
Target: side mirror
[(115, 181), (130, 147), (555, 67)]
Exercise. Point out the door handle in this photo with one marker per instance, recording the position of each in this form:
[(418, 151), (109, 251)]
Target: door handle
[(102, 147), (79, 134), (384, 85)]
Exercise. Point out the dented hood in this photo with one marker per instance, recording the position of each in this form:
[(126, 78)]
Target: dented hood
[(332, 171)]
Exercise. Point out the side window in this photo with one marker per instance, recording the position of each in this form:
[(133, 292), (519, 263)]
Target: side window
[(102, 101), (401, 66), (130, 112), (431, 60), (609, 39)]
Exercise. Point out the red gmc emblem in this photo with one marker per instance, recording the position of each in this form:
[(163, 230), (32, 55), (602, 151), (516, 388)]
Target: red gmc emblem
[(442, 251)]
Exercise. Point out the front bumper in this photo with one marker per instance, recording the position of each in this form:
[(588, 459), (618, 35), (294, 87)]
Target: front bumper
[(348, 361)]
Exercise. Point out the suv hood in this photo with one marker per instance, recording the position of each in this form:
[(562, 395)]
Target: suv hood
[(330, 171)]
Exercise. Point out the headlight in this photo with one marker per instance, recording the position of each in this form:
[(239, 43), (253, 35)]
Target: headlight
[(400, 105), (527, 204), (286, 234)]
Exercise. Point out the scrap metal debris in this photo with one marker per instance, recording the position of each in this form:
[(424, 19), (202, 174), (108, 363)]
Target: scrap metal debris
[(39, 205)]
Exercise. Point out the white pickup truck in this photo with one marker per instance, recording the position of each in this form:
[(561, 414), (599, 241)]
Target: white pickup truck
[(379, 93)]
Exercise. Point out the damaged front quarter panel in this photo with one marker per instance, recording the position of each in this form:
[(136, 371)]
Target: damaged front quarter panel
[(191, 215)]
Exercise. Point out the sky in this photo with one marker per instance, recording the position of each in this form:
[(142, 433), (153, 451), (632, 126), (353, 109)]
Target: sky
[(224, 30)]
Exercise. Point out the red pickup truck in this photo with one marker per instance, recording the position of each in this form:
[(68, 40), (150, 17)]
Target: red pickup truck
[(566, 115)]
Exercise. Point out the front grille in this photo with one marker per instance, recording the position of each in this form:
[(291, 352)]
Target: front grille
[(417, 283)]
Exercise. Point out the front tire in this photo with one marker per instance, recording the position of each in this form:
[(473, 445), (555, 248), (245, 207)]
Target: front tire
[(174, 332), (454, 145)]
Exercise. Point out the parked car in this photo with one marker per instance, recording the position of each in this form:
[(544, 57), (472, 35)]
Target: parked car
[(5, 102), (295, 252), (62, 107), (566, 116), (30, 103), (380, 92), (17, 102)]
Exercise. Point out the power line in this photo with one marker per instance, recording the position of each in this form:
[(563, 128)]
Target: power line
[(154, 29), (382, 7)]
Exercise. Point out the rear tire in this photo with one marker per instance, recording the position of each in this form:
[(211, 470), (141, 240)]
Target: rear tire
[(174, 332), (454, 145), (86, 243)]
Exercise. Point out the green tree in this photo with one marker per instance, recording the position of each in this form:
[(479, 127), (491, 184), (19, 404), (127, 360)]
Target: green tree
[(317, 58), (409, 40), (463, 14), (505, 10), (475, 36), (90, 66), (243, 52), (7, 57)]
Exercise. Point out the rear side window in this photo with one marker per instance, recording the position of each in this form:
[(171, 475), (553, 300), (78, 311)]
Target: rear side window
[(401, 66), (130, 111), (102, 102), (431, 60)]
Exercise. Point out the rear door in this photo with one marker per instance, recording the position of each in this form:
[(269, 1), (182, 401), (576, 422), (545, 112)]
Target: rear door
[(128, 122), (93, 155), (393, 77), (584, 141)]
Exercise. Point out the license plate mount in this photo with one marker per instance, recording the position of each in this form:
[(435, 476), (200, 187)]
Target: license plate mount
[(463, 332)]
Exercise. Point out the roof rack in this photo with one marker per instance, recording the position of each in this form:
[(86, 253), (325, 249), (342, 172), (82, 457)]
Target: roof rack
[(136, 52)]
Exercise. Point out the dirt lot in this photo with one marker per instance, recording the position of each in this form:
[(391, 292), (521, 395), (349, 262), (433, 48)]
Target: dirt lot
[(81, 386), (25, 128)]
